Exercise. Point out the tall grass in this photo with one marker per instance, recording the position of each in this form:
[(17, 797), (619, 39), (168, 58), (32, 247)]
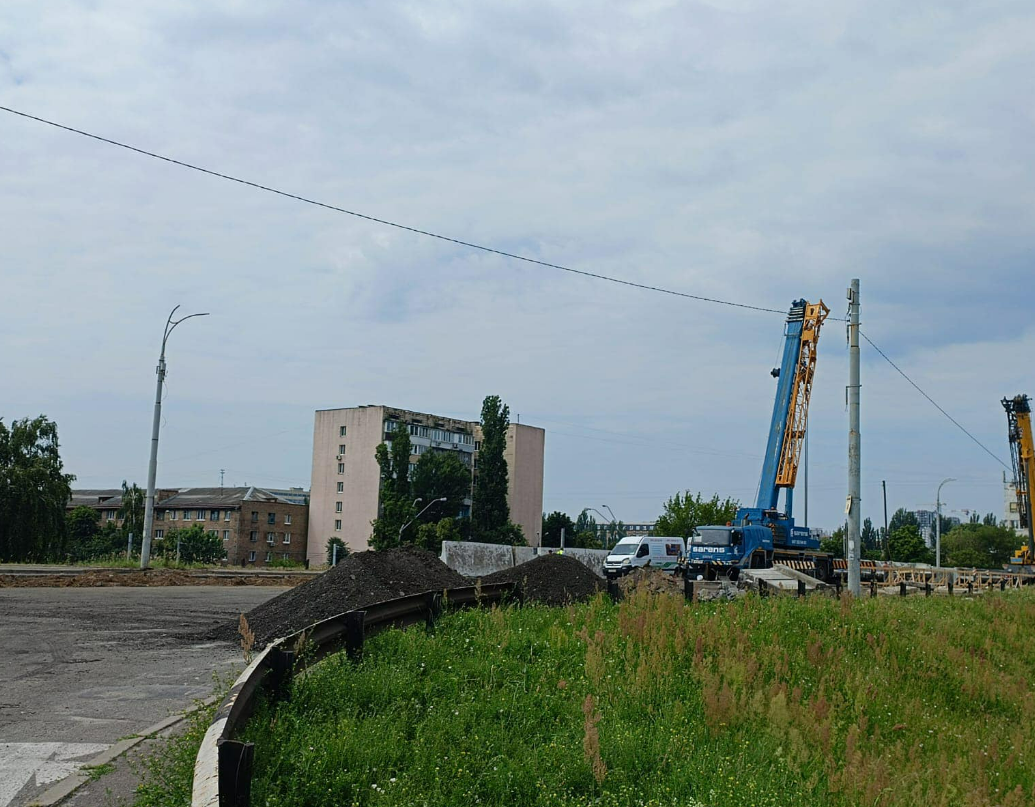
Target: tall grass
[(757, 702)]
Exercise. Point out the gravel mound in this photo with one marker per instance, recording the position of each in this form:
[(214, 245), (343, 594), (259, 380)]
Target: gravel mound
[(655, 581), (551, 579), (359, 580)]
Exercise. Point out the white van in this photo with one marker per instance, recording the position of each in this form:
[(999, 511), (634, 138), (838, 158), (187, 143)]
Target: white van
[(657, 552)]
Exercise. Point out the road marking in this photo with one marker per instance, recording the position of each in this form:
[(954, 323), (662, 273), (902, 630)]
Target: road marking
[(20, 763)]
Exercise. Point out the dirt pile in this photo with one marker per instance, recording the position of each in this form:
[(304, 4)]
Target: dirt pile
[(551, 579), (359, 580), (655, 581)]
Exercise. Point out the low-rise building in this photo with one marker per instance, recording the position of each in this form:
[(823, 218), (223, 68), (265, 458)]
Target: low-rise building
[(257, 525), (108, 501)]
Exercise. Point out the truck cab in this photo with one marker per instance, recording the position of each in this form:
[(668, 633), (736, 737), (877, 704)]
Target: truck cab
[(715, 551)]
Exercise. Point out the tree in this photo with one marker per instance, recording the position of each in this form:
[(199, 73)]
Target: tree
[(396, 505), (902, 518), (441, 474), (834, 544), (907, 546), (196, 545), (490, 513), (81, 525), (868, 536), (990, 520), (342, 553), (33, 491), (683, 514), (132, 510), (586, 531), (978, 545), (552, 526), (430, 536)]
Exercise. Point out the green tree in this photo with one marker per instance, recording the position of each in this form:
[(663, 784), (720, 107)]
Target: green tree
[(396, 501), (342, 553), (868, 536), (441, 474), (132, 510), (552, 526), (990, 520), (33, 491), (196, 545), (683, 514), (430, 536), (902, 518), (81, 525), (586, 531), (979, 545), (490, 513), (907, 546), (834, 544)]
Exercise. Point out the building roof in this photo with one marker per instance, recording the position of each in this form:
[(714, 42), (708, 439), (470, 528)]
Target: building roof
[(233, 497), (91, 497)]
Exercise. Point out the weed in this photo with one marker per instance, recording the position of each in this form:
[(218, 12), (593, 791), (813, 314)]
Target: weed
[(95, 772)]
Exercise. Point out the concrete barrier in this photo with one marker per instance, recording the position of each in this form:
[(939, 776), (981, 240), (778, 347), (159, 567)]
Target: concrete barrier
[(477, 560)]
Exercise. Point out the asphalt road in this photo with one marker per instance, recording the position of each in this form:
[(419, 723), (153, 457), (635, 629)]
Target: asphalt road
[(82, 667)]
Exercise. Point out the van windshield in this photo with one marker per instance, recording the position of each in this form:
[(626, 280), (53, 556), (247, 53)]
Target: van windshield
[(623, 549), (712, 536)]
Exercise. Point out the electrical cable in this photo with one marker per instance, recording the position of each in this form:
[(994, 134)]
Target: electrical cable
[(388, 223), (933, 402)]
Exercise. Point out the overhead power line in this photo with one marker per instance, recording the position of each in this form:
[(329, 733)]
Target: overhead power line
[(473, 245), (387, 222), (933, 402)]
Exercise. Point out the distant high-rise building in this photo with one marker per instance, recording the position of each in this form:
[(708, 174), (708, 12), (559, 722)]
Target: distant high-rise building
[(346, 480)]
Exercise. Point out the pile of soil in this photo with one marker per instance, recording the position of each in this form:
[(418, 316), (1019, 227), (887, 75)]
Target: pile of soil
[(655, 581), (551, 579), (360, 580)]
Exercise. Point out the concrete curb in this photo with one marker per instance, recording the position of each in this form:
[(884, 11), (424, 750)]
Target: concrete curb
[(66, 787)]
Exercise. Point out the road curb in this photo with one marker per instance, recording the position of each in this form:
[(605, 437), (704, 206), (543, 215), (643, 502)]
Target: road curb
[(66, 787)]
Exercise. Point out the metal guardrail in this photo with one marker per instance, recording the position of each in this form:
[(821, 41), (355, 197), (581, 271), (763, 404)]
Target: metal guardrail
[(223, 766)]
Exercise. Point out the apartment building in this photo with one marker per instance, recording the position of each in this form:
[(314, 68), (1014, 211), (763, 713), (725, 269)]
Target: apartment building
[(257, 525), (108, 501), (346, 478)]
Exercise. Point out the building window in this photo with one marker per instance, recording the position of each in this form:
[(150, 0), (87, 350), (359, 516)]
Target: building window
[(214, 533), (159, 534), (341, 449), (255, 516), (337, 507), (286, 556), (251, 556), (271, 538), (269, 556), (226, 516), (287, 518), (341, 487), (287, 537), (201, 515), (187, 515), (271, 518), (226, 535), (337, 524), (341, 431), (174, 514), (341, 467), (213, 516), (477, 445), (253, 536), (159, 515)]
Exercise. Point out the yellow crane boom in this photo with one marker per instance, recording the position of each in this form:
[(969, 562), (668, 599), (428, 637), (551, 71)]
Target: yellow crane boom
[(1022, 452)]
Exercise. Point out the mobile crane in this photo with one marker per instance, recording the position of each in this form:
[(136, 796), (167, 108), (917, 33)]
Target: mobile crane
[(1022, 452), (762, 534)]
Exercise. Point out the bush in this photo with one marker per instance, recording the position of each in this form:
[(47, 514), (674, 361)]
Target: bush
[(196, 545)]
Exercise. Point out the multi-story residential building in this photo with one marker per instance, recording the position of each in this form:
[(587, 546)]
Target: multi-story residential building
[(108, 501), (257, 525), (346, 479)]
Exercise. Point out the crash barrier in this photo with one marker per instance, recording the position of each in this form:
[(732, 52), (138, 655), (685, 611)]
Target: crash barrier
[(472, 559), (223, 766)]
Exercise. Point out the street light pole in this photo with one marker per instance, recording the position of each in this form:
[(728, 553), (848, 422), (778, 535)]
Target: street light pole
[(152, 468), (431, 504), (611, 521), (938, 523)]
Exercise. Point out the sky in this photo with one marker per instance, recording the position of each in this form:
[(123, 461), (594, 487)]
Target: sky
[(754, 152)]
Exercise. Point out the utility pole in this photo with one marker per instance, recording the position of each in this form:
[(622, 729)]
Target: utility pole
[(887, 545), (938, 524), (854, 504), (152, 468)]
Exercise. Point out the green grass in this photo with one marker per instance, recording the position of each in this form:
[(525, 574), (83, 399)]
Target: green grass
[(167, 773), (890, 701), (95, 772)]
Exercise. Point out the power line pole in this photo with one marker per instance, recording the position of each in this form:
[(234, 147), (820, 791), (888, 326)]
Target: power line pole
[(152, 468), (887, 546), (854, 504)]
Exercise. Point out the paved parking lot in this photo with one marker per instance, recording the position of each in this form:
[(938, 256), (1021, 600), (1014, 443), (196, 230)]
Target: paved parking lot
[(82, 667)]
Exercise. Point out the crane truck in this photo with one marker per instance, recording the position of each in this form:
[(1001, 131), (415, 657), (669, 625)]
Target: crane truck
[(761, 535), (1022, 452)]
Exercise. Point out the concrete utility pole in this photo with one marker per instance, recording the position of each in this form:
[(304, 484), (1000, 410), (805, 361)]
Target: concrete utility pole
[(152, 468), (938, 523), (884, 488), (854, 504)]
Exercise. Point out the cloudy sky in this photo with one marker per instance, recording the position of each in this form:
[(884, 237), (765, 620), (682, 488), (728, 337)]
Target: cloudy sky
[(751, 151)]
